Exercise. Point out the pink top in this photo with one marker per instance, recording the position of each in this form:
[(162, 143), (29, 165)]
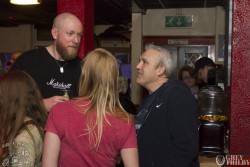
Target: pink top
[(75, 150)]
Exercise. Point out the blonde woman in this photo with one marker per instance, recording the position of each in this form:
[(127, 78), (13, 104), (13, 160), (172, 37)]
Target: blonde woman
[(22, 119), (92, 129)]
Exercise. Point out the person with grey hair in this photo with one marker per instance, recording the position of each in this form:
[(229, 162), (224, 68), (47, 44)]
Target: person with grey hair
[(166, 121)]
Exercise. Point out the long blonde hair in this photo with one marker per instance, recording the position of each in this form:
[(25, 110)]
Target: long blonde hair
[(99, 82)]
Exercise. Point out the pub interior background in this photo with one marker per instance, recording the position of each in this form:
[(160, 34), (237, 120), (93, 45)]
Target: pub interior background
[(204, 31)]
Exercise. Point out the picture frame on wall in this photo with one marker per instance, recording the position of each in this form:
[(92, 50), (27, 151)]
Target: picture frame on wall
[(123, 62), (191, 58), (122, 58)]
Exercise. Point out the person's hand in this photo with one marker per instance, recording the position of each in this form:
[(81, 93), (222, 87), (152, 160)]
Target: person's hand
[(50, 102)]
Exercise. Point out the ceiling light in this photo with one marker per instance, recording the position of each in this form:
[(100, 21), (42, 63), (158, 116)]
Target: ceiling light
[(25, 2)]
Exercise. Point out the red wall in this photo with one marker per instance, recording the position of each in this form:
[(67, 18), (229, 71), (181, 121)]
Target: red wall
[(240, 79)]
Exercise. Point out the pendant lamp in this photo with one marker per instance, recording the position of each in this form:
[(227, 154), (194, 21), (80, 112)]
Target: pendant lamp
[(26, 2)]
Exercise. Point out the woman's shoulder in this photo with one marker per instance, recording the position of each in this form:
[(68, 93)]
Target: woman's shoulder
[(30, 134), (64, 111), (28, 145), (63, 106)]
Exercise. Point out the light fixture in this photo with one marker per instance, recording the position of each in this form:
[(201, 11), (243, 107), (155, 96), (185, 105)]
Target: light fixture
[(26, 2)]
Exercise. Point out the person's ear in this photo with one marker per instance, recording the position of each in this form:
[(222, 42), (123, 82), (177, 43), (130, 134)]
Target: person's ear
[(54, 32), (161, 70)]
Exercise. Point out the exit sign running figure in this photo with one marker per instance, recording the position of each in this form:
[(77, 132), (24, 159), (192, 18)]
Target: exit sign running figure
[(179, 21)]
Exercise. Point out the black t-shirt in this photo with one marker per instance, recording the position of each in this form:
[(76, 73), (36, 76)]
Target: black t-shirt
[(144, 109), (44, 69)]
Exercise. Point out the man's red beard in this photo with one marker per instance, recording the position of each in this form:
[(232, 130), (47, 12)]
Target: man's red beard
[(65, 53)]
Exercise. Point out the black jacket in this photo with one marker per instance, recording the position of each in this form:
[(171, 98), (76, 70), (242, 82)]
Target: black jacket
[(127, 104), (169, 136)]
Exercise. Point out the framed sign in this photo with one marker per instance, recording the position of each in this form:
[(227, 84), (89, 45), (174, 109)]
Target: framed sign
[(179, 21)]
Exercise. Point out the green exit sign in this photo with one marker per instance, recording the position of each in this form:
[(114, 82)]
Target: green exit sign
[(179, 21)]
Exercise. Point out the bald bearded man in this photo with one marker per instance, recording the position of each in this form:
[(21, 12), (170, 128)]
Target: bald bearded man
[(56, 68)]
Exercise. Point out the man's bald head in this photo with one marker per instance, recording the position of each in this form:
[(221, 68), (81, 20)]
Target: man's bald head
[(64, 18)]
